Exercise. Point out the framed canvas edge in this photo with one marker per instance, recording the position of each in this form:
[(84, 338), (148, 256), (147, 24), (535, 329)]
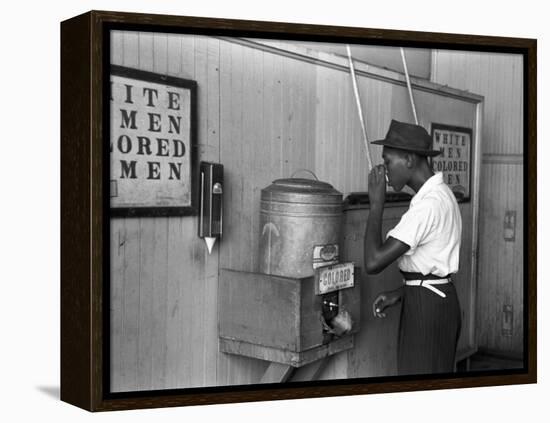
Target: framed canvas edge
[(81, 282)]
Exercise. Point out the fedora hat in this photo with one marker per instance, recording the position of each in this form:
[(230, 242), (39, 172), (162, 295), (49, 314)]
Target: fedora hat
[(408, 137)]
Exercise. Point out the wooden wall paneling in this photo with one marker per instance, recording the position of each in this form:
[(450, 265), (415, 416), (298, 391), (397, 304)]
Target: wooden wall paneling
[(116, 305), (277, 118), (181, 261), (174, 65), (375, 348), (228, 142), (130, 49), (124, 363), (245, 159), (292, 156), (173, 311), (117, 44), (487, 310), (357, 171), (500, 183), (401, 107), (340, 152), (159, 319), (235, 245), (271, 117), (310, 121), (490, 232), (194, 281), (117, 259), (147, 51), (322, 122), (166, 337), (288, 118), (203, 370), (145, 302), (160, 53), (309, 108), (335, 142), (327, 127), (126, 374), (347, 140), (501, 262), (178, 347), (158, 322), (210, 343), (254, 162), (146, 250), (513, 254), (187, 56), (254, 153), (517, 254), (231, 150), (338, 141), (376, 97), (486, 74)]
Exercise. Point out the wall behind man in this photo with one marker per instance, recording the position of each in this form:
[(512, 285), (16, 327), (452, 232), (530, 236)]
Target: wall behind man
[(498, 77), (264, 113)]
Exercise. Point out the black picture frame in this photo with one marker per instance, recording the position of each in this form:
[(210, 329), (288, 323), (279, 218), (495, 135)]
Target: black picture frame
[(157, 211), (85, 210)]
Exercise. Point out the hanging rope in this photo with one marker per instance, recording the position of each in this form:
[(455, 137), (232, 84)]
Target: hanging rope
[(408, 84), (359, 109)]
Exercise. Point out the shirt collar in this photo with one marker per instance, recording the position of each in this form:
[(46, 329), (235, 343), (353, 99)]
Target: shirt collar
[(432, 182)]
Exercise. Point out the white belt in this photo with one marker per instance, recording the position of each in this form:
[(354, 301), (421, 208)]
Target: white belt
[(429, 284)]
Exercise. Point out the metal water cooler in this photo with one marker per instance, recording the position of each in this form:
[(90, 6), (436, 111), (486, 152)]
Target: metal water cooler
[(291, 311)]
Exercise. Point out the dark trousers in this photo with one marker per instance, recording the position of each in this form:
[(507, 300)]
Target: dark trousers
[(428, 331)]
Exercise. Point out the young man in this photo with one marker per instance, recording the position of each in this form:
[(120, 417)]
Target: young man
[(426, 245)]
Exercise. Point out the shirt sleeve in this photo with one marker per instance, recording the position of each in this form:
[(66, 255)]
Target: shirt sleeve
[(415, 225)]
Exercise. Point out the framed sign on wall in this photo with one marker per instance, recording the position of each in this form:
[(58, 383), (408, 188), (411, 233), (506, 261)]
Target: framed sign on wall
[(152, 143), (455, 160)]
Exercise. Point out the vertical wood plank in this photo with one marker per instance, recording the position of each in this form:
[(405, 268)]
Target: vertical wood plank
[(117, 47), (117, 261), (130, 50), (174, 370), (174, 48), (196, 285), (160, 53), (210, 342), (485, 74), (176, 360), (146, 51), (232, 151), (117, 300), (124, 367), (501, 266), (145, 305), (130, 306)]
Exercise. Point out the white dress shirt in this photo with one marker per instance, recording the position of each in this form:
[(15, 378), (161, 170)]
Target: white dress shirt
[(432, 227)]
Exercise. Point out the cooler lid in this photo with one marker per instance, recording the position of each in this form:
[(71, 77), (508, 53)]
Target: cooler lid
[(301, 186)]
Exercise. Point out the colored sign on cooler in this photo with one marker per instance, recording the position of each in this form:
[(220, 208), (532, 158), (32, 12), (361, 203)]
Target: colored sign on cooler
[(333, 278)]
